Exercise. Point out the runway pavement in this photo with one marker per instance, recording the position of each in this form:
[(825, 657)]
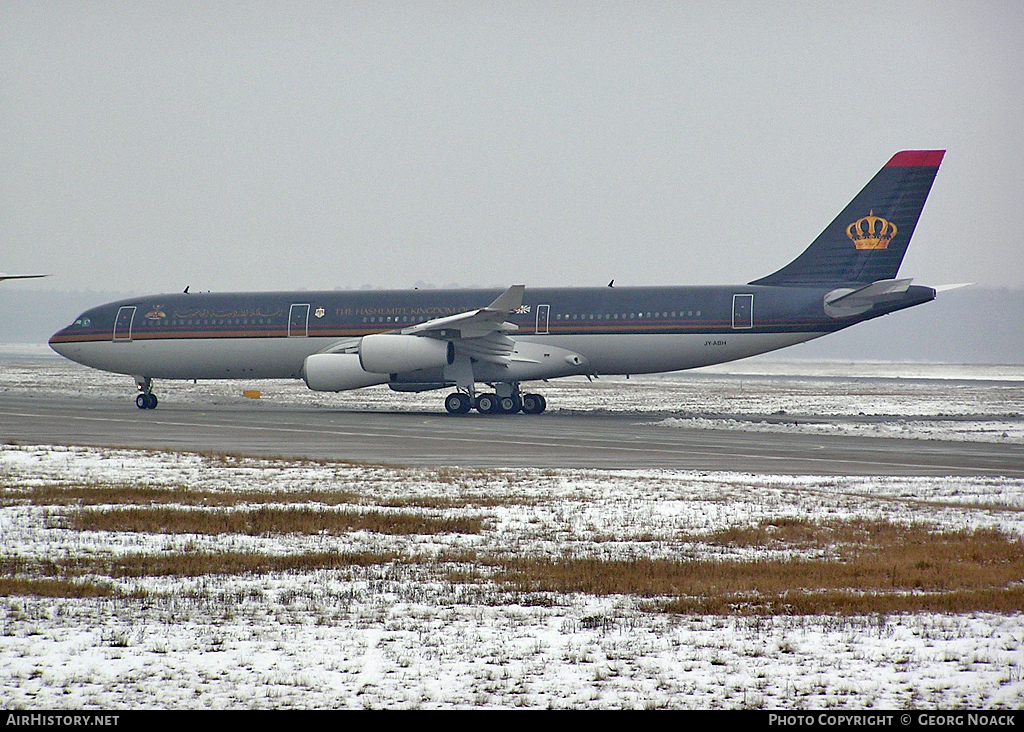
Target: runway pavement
[(551, 440)]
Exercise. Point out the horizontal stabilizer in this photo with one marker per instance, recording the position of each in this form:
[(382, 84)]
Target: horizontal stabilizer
[(846, 302)]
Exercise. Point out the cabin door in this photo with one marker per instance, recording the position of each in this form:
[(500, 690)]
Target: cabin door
[(543, 314), (742, 311), (123, 323), (298, 320)]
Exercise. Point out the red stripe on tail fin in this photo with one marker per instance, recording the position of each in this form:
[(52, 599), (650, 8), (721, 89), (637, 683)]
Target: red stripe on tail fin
[(916, 159)]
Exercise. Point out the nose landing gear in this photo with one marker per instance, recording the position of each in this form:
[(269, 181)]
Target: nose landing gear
[(146, 398)]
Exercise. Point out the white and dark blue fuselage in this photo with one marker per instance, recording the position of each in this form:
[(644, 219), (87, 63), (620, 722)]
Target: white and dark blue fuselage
[(613, 330), (431, 339)]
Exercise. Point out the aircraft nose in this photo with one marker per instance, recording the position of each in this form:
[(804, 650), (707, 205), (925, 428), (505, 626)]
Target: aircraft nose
[(59, 343)]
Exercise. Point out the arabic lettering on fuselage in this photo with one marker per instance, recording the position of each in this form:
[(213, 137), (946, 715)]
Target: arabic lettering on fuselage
[(257, 313)]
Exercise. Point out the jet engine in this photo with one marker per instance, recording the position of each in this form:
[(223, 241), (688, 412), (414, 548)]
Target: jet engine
[(390, 353), (337, 372)]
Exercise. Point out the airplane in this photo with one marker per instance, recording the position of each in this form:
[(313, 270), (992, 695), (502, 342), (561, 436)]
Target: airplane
[(5, 276), (420, 340)]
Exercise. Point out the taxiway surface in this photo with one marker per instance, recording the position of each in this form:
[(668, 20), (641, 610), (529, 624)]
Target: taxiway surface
[(553, 440)]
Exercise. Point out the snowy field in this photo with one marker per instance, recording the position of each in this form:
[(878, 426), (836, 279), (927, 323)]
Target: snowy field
[(409, 633)]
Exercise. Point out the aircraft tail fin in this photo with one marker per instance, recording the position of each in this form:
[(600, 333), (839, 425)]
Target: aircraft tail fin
[(867, 241)]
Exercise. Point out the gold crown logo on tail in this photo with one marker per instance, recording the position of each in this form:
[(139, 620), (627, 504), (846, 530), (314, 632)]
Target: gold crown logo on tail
[(871, 232)]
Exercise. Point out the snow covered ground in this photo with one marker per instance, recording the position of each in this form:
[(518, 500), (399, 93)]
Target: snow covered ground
[(400, 634), (921, 401)]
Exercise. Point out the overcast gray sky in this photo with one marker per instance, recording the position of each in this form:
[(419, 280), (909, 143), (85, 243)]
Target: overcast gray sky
[(308, 145)]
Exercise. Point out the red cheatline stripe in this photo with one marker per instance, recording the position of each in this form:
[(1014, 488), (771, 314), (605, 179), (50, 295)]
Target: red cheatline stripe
[(916, 159), (717, 328)]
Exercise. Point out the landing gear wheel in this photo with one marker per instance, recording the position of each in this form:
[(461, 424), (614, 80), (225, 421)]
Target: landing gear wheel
[(457, 403), (509, 404), (487, 403), (533, 404), (146, 401)]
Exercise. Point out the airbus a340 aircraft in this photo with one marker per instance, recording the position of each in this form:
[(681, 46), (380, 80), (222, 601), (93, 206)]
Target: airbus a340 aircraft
[(459, 339), (5, 276)]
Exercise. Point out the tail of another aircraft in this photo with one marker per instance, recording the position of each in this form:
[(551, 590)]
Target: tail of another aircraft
[(867, 241)]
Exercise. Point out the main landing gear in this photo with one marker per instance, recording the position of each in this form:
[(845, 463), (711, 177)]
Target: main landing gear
[(460, 403), (146, 398)]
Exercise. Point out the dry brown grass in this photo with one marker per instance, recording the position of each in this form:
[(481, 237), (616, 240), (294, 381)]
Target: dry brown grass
[(878, 567), (99, 494), (53, 588), (262, 521), (144, 495), (198, 564), (802, 602), (840, 567)]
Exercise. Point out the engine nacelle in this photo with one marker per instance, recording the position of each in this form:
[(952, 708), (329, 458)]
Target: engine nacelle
[(387, 353), (337, 372)]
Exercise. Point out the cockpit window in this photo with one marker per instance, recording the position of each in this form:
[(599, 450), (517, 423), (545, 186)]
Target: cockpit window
[(83, 322)]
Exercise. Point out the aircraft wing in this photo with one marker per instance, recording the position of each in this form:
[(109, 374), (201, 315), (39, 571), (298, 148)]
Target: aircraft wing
[(474, 323), (480, 334), (345, 345)]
